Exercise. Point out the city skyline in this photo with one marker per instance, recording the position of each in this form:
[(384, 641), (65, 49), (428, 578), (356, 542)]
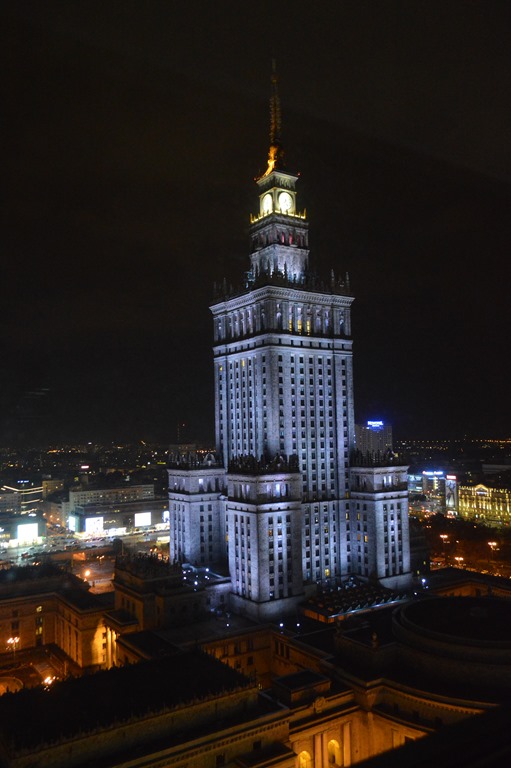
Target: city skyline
[(130, 160)]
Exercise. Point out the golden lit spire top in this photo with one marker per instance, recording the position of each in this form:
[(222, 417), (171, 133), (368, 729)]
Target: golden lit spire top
[(276, 153)]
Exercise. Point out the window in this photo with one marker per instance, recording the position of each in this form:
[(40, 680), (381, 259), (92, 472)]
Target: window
[(334, 753), (304, 760)]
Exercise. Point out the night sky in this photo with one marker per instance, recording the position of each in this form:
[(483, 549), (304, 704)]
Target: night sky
[(132, 133)]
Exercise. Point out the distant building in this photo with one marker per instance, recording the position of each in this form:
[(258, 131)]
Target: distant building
[(433, 491), (84, 496), (117, 519), (29, 497), (10, 502), (79, 502), (51, 485), (21, 530), (373, 437), (489, 504)]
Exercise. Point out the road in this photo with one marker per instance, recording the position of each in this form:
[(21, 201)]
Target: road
[(59, 546)]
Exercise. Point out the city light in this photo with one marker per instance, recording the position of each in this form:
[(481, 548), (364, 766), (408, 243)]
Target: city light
[(12, 644)]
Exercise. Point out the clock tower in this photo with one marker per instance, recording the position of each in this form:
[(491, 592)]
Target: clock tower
[(279, 232), (284, 406)]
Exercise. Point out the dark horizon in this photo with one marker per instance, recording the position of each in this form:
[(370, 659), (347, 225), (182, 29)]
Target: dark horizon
[(131, 150)]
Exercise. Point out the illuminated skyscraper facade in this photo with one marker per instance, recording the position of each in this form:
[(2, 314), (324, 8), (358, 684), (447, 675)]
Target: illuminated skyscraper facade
[(284, 410)]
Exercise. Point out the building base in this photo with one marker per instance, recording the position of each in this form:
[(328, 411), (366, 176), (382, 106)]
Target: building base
[(272, 610), (402, 581)]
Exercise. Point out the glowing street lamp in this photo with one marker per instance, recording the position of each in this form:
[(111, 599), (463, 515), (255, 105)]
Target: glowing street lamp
[(493, 547), (12, 643), (445, 540)]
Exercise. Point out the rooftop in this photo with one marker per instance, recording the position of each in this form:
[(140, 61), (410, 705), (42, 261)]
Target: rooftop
[(29, 573), (309, 282), (345, 599), (148, 566), (465, 619), (84, 600), (91, 703)]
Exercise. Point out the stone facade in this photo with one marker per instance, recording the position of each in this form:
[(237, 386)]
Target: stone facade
[(283, 374), (197, 487), (43, 605)]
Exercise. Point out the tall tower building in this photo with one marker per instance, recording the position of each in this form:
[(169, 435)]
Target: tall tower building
[(284, 415)]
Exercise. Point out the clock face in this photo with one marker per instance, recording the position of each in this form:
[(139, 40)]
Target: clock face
[(285, 202), (267, 203)]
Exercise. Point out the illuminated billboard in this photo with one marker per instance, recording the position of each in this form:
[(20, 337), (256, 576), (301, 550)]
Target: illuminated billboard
[(71, 523), (93, 525), (27, 532), (142, 519), (451, 492)]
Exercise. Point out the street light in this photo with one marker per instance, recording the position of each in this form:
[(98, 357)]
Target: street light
[(459, 560), (12, 642), (493, 547), (445, 541)]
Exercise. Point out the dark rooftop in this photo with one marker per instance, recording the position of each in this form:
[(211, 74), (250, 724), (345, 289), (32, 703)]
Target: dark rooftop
[(82, 599), (364, 631), (85, 704), (465, 618), (150, 644), (444, 577), (148, 566), (303, 679), (29, 573), (121, 617)]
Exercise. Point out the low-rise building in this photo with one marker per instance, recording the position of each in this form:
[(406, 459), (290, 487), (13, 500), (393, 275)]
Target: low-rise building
[(116, 519), (44, 605), (488, 503)]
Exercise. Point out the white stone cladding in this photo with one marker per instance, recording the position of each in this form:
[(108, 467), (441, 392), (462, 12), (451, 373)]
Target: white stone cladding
[(283, 373), (197, 514), (380, 542), (284, 385), (265, 532)]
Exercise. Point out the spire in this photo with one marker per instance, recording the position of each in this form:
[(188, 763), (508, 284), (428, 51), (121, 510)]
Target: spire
[(276, 153), (275, 115)]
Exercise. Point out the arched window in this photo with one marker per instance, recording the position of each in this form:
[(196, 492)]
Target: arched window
[(334, 753), (304, 760)]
